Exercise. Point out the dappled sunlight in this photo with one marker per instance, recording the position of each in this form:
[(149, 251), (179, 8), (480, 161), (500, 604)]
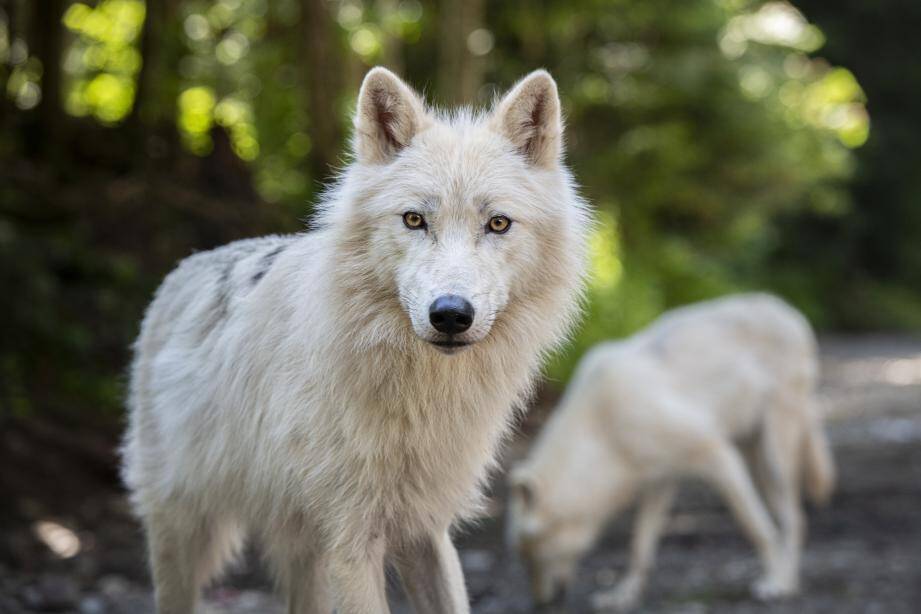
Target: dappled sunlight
[(63, 542), (607, 268), (774, 23), (834, 101), (103, 61), (882, 383), (237, 116), (480, 41), (812, 92), (230, 66), (231, 49), (22, 85), (368, 31), (199, 111), (366, 41), (196, 116), (902, 371), (837, 102)]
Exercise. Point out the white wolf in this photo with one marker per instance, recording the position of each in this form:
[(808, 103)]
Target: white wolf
[(669, 403), (340, 394)]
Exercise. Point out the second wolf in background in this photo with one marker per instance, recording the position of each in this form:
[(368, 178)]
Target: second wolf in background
[(684, 398)]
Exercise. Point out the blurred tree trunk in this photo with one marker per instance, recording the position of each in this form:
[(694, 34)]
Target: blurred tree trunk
[(323, 78), (151, 120), (46, 39), (460, 73), (9, 11), (223, 173)]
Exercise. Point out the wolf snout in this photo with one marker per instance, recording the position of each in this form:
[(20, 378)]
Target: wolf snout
[(451, 314)]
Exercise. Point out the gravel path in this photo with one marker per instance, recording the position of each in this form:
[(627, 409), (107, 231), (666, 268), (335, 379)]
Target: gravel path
[(863, 553)]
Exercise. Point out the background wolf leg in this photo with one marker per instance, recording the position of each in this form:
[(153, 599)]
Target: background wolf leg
[(649, 522)]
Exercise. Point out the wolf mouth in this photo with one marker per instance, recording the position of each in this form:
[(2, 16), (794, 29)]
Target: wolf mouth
[(450, 346)]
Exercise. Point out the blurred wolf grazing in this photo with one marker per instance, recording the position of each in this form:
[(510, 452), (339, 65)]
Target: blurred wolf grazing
[(339, 395), (670, 403)]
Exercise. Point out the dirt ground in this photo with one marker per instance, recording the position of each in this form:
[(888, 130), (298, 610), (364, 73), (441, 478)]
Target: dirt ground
[(863, 552)]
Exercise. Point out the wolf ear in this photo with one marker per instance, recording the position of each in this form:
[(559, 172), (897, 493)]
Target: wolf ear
[(388, 116), (521, 484), (529, 116)]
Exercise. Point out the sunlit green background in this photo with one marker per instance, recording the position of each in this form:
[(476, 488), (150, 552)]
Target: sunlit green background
[(726, 144)]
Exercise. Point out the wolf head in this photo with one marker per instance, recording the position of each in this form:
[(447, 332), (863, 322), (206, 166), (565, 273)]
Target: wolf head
[(462, 218), (556, 509), (550, 545)]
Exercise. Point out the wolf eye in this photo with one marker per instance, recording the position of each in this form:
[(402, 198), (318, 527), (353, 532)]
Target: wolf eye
[(413, 220), (498, 224)]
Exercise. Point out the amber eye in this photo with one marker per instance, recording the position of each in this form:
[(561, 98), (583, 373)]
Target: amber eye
[(499, 224), (413, 220)]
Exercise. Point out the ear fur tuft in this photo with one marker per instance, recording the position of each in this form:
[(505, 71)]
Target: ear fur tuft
[(529, 117), (389, 114)]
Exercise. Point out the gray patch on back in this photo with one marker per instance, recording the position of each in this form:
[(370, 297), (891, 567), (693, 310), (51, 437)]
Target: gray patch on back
[(227, 261), (265, 263)]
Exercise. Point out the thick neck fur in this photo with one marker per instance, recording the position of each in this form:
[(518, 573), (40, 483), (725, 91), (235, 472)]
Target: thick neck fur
[(421, 426), (426, 422)]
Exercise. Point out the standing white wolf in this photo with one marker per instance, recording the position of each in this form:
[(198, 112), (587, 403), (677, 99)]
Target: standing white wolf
[(670, 403), (340, 394)]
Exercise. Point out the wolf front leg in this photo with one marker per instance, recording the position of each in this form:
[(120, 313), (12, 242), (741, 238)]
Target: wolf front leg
[(185, 553), (432, 577), (357, 579), (308, 586), (722, 465), (650, 520)]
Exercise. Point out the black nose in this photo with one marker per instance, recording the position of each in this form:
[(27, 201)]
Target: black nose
[(451, 314)]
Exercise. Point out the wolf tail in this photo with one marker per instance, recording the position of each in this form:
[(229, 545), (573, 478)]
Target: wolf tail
[(819, 471)]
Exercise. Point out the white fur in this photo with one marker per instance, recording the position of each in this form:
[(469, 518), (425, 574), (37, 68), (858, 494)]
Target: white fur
[(287, 387), (666, 404)]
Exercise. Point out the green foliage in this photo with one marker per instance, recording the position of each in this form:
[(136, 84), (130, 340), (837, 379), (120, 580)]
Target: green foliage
[(869, 259), (721, 151), (708, 123), (224, 71), (103, 60)]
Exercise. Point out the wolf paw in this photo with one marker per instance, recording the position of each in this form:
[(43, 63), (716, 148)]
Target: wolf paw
[(769, 588), (624, 596)]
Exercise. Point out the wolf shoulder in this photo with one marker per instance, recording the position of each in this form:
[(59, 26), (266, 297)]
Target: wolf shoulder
[(755, 331), (727, 337), (205, 290)]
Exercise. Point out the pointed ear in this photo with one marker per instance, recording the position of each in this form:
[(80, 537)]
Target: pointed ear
[(388, 116), (529, 116), (522, 488)]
